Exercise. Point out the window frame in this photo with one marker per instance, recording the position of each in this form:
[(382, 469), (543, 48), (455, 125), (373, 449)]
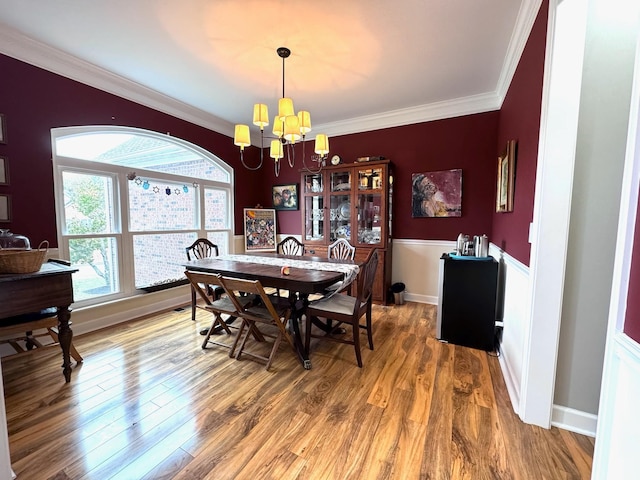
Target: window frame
[(119, 173)]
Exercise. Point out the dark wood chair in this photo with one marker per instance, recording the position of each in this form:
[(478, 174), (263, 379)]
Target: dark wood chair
[(288, 246), (26, 329), (202, 248), (202, 283), (342, 250), (346, 310), (260, 313), (291, 246)]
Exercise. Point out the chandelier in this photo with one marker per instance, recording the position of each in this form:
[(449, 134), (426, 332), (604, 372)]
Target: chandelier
[(288, 128)]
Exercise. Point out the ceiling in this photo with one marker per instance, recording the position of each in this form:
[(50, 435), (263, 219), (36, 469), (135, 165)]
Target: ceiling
[(356, 65)]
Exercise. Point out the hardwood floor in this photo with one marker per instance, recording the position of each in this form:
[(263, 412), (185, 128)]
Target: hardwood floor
[(149, 403)]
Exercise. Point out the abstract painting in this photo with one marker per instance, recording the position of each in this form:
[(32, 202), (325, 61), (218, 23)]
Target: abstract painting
[(437, 194)]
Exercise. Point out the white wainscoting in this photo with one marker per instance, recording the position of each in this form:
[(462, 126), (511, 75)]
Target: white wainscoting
[(618, 439), (415, 263), (513, 297)]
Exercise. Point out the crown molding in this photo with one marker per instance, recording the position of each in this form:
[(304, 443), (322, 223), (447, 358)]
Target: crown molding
[(524, 23), (418, 114)]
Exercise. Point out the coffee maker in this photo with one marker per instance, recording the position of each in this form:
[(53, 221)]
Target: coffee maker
[(478, 247)]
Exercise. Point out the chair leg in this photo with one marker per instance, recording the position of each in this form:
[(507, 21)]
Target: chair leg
[(356, 341), (276, 344), (244, 337), (217, 320), (235, 341), (193, 304), (369, 332)]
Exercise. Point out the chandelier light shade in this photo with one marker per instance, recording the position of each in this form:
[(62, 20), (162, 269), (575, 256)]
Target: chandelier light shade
[(289, 127), (275, 151), (322, 144), (241, 137), (278, 126), (260, 115)]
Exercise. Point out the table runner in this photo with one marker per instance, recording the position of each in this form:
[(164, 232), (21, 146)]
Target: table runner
[(350, 270)]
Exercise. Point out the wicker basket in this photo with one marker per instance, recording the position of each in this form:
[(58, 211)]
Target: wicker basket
[(23, 261)]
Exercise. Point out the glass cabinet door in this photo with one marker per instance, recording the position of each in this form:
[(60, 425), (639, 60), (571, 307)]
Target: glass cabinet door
[(370, 214), (340, 206)]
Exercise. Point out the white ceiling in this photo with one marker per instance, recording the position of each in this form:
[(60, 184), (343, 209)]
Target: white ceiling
[(356, 65)]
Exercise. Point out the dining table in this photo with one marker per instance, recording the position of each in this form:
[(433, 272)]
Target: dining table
[(300, 276)]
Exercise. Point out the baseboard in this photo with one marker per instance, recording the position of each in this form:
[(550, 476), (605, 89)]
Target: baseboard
[(91, 318), (415, 297), (510, 381), (574, 420)]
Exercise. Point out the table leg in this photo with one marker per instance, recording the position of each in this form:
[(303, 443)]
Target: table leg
[(64, 337), (296, 316)]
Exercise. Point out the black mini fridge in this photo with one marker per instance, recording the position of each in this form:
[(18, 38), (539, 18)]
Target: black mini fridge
[(467, 301)]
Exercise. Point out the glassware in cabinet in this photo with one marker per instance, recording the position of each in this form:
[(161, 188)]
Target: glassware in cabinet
[(314, 218)]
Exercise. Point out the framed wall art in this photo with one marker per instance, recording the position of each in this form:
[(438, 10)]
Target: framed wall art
[(3, 128), (437, 194), (5, 208), (4, 170), (506, 178), (285, 197), (260, 230)]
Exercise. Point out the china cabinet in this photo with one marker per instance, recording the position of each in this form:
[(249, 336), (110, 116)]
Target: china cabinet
[(350, 201)]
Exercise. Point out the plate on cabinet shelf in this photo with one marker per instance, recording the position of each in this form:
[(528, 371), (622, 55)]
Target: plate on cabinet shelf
[(343, 231), (345, 210)]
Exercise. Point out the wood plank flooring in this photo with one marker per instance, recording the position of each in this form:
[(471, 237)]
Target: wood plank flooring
[(149, 403)]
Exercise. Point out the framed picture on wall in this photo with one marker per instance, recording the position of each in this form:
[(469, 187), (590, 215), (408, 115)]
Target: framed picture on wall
[(506, 178), (4, 171), (5, 208), (437, 194), (285, 197), (260, 230)]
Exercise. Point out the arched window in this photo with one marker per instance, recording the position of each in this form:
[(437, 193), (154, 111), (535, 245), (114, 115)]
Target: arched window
[(129, 201)]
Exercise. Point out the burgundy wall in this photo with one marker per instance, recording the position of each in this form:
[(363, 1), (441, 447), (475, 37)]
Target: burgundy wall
[(520, 120), (632, 315), (34, 101), (464, 142)]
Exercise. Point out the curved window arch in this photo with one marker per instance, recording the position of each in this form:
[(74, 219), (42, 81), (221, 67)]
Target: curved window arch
[(128, 202)]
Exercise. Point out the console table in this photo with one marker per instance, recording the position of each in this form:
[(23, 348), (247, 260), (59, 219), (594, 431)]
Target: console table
[(22, 293)]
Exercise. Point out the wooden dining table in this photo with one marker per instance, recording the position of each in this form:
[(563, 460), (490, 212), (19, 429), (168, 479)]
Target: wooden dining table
[(301, 281)]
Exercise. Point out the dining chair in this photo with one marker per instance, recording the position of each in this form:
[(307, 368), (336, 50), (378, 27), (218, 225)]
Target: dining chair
[(27, 328), (346, 309), (202, 248), (201, 284), (261, 312), (342, 250), (291, 246)]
